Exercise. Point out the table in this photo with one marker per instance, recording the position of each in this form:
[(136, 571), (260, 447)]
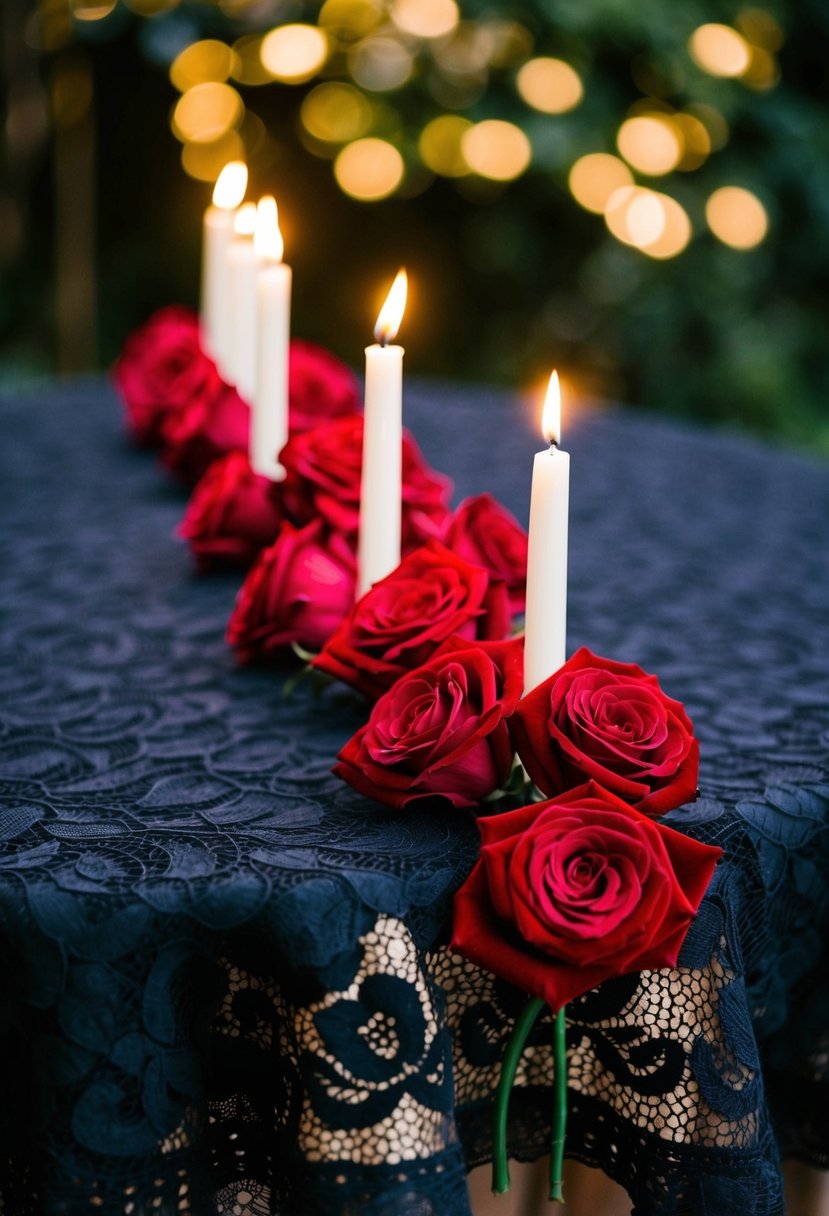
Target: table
[(227, 987)]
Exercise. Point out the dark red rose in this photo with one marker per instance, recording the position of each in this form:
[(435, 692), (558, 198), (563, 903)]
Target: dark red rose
[(323, 479), (485, 533), (160, 369), (298, 590), (570, 892), (208, 426), (231, 515), (319, 386), (611, 722), (404, 618), (440, 731)]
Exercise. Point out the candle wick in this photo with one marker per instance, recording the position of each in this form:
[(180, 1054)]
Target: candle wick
[(553, 445), (384, 339)]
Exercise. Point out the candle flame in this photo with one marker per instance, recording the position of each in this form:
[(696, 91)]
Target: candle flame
[(231, 185), (267, 239), (244, 222), (551, 415), (391, 314)]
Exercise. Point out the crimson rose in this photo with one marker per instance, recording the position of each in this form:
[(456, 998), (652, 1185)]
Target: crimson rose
[(297, 591), (323, 479), (231, 515), (570, 892), (208, 426), (485, 533), (440, 730), (400, 622), (160, 369), (319, 386), (611, 722)]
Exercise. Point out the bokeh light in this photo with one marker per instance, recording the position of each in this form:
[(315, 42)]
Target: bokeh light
[(349, 20), (380, 64), (425, 18), (496, 149), (650, 143), (593, 178), (713, 121), (696, 141), (206, 111), (651, 222), (201, 62), (248, 67), (294, 53), (719, 50), (763, 71), (205, 161), (760, 28), (737, 217), (550, 85), (369, 169), (440, 145), (90, 10), (336, 112)]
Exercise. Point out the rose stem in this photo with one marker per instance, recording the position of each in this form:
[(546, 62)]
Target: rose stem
[(517, 1040), (559, 1106)]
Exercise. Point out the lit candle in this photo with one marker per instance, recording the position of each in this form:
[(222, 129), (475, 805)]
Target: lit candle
[(269, 424), (546, 617), (217, 233), (378, 551), (240, 362)]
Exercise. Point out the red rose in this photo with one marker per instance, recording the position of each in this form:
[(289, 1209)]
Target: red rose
[(161, 368), (570, 892), (323, 478), (319, 386), (404, 618), (440, 730), (231, 515), (485, 533), (297, 591), (613, 723), (208, 426)]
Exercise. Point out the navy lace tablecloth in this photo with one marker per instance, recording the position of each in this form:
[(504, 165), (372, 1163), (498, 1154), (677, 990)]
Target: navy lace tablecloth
[(225, 981)]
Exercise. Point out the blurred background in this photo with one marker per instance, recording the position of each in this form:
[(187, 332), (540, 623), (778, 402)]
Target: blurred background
[(636, 192)]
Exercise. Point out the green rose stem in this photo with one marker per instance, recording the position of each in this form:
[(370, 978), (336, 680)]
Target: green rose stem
[(517, 1041), (515, 1047), (559, 1106)]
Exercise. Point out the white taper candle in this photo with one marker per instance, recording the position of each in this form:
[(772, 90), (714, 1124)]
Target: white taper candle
[(545, 627), (378, 551), (269, 423), (217, 234)]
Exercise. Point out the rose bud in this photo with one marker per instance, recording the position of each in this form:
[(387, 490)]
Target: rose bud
[(440, 731), (570, 892), (160, 369), (595, 718), (319, 386), (297, 591), (485, 533), (402, 620), (231, 515)]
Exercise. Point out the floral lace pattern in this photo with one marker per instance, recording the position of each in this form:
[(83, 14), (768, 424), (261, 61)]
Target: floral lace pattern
[(225, 985)]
